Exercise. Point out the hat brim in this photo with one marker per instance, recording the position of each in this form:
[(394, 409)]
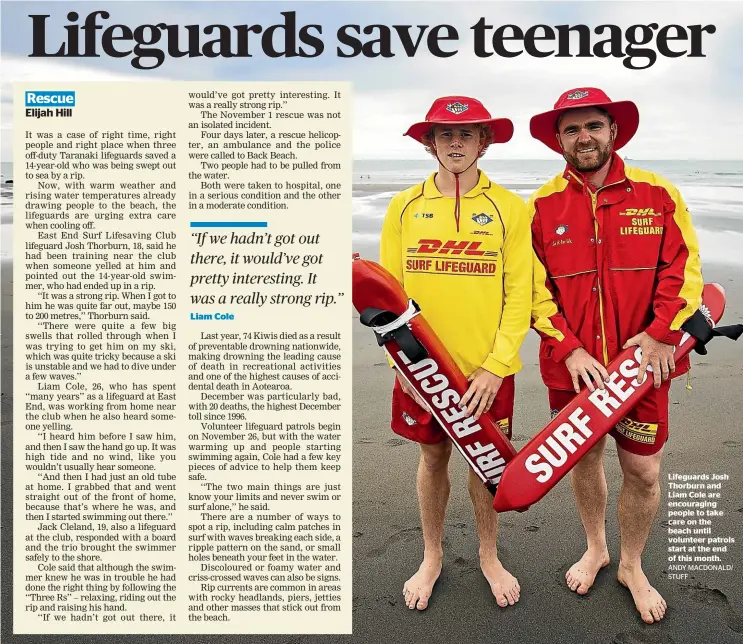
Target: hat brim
[(543, 127), (502, 128)]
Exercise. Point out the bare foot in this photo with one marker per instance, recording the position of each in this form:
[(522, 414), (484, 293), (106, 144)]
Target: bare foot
[(649, 603), (583, 573), (504, 586), (417, 590)]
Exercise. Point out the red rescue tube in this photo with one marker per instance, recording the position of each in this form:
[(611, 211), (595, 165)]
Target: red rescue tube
[(436, 377), (552, 453)]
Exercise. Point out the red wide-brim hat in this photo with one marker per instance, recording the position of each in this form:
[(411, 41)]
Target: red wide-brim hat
[(461, 110), (543, 126)]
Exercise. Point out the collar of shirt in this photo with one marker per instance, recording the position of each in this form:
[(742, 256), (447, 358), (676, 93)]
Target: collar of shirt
[(430, 191), (616, 174)]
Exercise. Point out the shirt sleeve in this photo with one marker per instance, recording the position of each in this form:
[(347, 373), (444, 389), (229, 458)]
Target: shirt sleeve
[(679, 277), (517, 280), (390, 245), (547, 319)]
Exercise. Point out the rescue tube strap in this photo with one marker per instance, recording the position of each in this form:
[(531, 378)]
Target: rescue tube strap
[(409, 314), (698, 326), (388, 326)]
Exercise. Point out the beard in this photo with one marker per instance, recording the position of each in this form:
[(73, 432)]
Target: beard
[(592, 163)]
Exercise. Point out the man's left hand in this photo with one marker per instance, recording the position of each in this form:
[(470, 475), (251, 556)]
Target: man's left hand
[(656, 354), (481, 393)]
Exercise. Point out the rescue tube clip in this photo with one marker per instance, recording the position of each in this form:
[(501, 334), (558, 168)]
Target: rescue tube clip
[(387, 326)]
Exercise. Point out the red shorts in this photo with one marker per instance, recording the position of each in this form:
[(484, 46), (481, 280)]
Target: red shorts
[(413, 422), (644, 430)]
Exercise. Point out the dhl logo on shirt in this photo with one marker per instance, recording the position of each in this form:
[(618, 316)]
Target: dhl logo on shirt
[(483, 262), (642, 222), (640, 212), (450, 247)]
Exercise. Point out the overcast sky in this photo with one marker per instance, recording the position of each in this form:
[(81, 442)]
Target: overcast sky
[(689, 108)]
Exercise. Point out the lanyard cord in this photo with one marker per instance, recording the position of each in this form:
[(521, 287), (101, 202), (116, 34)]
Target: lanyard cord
[(457, 203)]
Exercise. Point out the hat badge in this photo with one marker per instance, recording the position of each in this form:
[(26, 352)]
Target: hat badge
[(457, 108), (576, 95)]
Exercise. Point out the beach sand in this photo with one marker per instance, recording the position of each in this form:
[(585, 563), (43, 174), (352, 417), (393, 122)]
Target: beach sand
[(539, 545)]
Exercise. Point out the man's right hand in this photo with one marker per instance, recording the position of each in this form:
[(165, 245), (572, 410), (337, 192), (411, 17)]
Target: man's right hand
[(408, 389), (581, 364)]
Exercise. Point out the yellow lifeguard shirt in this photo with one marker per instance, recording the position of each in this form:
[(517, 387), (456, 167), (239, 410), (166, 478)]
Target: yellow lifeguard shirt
[(471, 278)]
